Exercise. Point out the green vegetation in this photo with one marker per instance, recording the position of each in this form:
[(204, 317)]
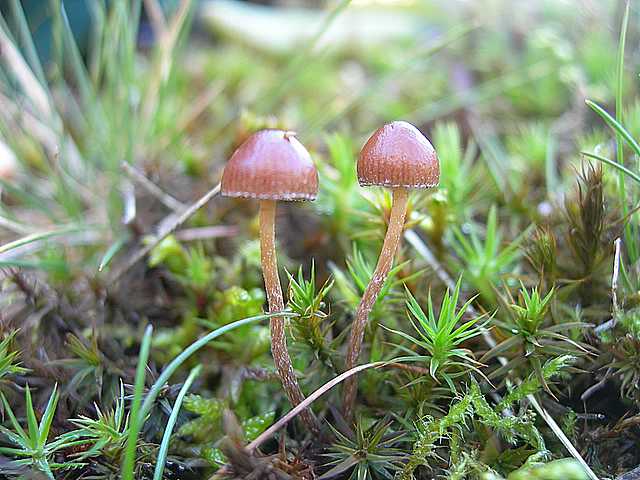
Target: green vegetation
[(133, 338)]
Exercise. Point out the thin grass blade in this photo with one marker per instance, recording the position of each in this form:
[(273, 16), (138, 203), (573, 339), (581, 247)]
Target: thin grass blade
[(621, 168), (190, 350), (128, 465), (166, 437), (615, 126)]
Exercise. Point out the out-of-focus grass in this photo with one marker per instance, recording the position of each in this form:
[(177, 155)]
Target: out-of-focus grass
[(73, 127), (498, 86)]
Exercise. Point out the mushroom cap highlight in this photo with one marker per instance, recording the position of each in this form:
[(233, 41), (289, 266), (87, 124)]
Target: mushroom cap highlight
[(398, 155), (271, 165)]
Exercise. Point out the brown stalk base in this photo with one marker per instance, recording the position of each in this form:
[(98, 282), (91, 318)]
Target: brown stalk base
[(276, 304), (385, 261)]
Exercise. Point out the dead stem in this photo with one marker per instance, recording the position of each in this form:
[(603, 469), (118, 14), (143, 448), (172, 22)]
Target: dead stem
[(167, 200), (167, 229), (308, 401)]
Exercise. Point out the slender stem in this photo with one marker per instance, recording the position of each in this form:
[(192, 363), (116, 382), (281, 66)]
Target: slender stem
[(276, 304), (385, 261), (308, 401)]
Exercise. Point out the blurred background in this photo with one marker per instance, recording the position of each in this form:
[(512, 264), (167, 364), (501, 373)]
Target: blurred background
[(174, 86), (116, 115), (319, 67)]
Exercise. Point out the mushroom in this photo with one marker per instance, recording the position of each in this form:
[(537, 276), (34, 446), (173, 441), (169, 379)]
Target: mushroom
[(399, 157), (271, 166)]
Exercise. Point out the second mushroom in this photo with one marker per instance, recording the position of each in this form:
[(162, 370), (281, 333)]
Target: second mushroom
[(398, 157)]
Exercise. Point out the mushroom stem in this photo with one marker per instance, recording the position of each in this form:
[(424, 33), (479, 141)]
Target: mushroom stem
[(368, 300), (276, 304)]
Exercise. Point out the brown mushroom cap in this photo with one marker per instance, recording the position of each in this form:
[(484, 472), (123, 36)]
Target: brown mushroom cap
[(271, 165), (398, 155)]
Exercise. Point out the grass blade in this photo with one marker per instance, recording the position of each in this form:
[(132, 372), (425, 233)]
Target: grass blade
[(619, 107), (630, 238), (128, 465), (44, 265), (32, 423), (26, 40), (621, 168), (29, 84), (112, 251), (78, 68), (34, 237), (615, 126), (166, 437), (193, 348)]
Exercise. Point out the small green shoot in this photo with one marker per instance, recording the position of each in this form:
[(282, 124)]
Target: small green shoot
[(128, 464), (369, 453), (531, 340), (309, 303), (107, 432), (485, 263), (441, 337), (32, 446), (9, 360)]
